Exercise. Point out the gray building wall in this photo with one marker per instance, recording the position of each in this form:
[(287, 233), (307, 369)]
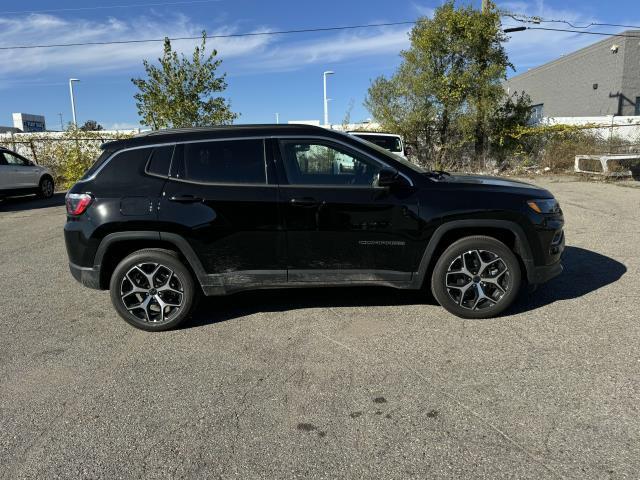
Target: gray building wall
[(566, 86)]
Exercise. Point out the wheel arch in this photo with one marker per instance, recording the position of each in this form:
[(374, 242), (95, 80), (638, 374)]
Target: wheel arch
[(508, 232), (116, 246), (46, 175)]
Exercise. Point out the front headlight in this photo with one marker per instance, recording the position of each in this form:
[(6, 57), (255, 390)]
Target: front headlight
[(547, 205)]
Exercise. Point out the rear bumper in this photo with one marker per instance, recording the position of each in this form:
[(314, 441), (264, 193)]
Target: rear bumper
[(87, 276)]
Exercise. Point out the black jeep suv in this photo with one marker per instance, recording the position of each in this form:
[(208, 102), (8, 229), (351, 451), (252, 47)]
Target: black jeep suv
[(166, 215)]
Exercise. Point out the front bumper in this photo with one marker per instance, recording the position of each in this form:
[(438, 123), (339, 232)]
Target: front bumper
[(542, 274), (87, 276)]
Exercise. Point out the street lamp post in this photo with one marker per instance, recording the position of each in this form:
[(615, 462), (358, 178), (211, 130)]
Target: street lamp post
[(73, 103), (326, 100)]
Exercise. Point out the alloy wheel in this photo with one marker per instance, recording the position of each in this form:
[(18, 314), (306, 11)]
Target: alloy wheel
[(152, 292), (477, 279)]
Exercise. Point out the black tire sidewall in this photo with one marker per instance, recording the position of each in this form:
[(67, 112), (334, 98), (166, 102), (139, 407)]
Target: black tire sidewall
[(41, 187), (438, 277), (153, 256)]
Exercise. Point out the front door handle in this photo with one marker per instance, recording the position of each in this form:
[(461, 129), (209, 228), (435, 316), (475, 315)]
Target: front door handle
[(305, 202), (185, 199)]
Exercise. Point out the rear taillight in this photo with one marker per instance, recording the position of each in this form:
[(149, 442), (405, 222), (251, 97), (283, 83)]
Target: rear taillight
[(77, 203)]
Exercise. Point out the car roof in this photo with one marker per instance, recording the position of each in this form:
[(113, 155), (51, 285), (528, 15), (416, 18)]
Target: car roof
[(155, 137), (384, 134)]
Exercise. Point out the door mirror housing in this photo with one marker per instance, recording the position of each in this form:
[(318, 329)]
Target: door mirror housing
[(388, 178)]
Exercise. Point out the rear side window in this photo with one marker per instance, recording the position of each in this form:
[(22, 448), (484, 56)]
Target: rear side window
[(160, 161), (387, 142), (227, 161), (125, 168), (96, 165)]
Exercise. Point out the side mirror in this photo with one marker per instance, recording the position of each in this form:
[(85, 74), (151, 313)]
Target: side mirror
[(390, 178)]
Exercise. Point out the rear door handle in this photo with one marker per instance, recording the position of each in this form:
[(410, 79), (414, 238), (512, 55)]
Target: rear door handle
[(305, 202), (185, 199)]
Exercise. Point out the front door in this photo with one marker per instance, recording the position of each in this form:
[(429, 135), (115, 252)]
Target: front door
[(341, 226), (20, 172), (222, 198)]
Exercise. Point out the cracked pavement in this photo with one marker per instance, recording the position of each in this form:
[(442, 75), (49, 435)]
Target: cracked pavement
[(326, 383)]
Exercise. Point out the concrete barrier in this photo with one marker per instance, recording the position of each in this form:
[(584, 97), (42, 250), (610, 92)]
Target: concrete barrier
[(609, 165)]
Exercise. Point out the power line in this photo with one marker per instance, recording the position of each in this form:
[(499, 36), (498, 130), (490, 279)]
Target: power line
[(105, 7), (604, 34), (520, 17), (230, 35)]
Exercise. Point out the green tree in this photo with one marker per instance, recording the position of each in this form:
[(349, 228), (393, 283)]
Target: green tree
[(180, 91), (91, 126), (511, 114), (449, 81)]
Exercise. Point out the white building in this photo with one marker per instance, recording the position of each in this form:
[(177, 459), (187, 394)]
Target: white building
[(29, 123)]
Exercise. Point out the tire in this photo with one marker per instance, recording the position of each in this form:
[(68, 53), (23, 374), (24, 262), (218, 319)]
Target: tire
[(476, 277), (137, 301), (46, 188)]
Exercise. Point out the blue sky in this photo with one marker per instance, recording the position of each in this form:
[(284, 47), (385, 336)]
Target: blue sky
[(266, 74)]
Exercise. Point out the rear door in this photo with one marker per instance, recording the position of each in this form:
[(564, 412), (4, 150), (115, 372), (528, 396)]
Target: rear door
[(222, 198), (340, 226)]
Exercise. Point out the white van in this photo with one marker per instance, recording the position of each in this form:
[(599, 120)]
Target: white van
[(388, 141)]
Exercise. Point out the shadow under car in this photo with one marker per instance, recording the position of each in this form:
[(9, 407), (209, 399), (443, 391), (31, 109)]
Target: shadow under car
[(584, 271)]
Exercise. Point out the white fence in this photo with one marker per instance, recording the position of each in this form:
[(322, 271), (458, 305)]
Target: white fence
[(31, 145), (610, 126)]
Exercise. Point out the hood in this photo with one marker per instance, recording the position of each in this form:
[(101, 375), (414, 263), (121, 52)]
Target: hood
[(497, 183), (486, 180)]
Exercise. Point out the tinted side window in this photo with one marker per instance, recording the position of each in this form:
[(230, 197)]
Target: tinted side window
[(99, 161), (312, 163), (125, 168), (227, 161), (160, 161), (387, 142)]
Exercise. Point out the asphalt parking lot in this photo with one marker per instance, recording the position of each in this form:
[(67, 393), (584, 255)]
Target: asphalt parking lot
[(326, 383)]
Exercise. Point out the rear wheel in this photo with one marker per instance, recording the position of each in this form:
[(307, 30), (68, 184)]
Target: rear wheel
[(152, 290), (476, 277), (46, 187)]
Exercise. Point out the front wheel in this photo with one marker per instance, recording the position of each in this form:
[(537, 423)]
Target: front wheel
[(152, 290), (46, 188), (476, 277)]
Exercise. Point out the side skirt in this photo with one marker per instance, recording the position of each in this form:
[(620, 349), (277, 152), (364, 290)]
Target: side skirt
[(227, 283)]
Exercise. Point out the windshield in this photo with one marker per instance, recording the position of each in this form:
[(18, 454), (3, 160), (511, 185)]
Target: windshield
[(388, 142), (387, 153)]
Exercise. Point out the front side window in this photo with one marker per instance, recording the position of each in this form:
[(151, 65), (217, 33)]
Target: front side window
[(14, 160), (637, 105), (226, 161), (317, 163)]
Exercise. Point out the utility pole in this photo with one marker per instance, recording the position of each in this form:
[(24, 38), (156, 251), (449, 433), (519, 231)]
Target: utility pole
[(73, 101), (277, 118), (326, 100), (61, 123), (485, 6)]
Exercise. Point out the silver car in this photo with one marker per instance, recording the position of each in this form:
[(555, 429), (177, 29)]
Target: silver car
[(20, 176)]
